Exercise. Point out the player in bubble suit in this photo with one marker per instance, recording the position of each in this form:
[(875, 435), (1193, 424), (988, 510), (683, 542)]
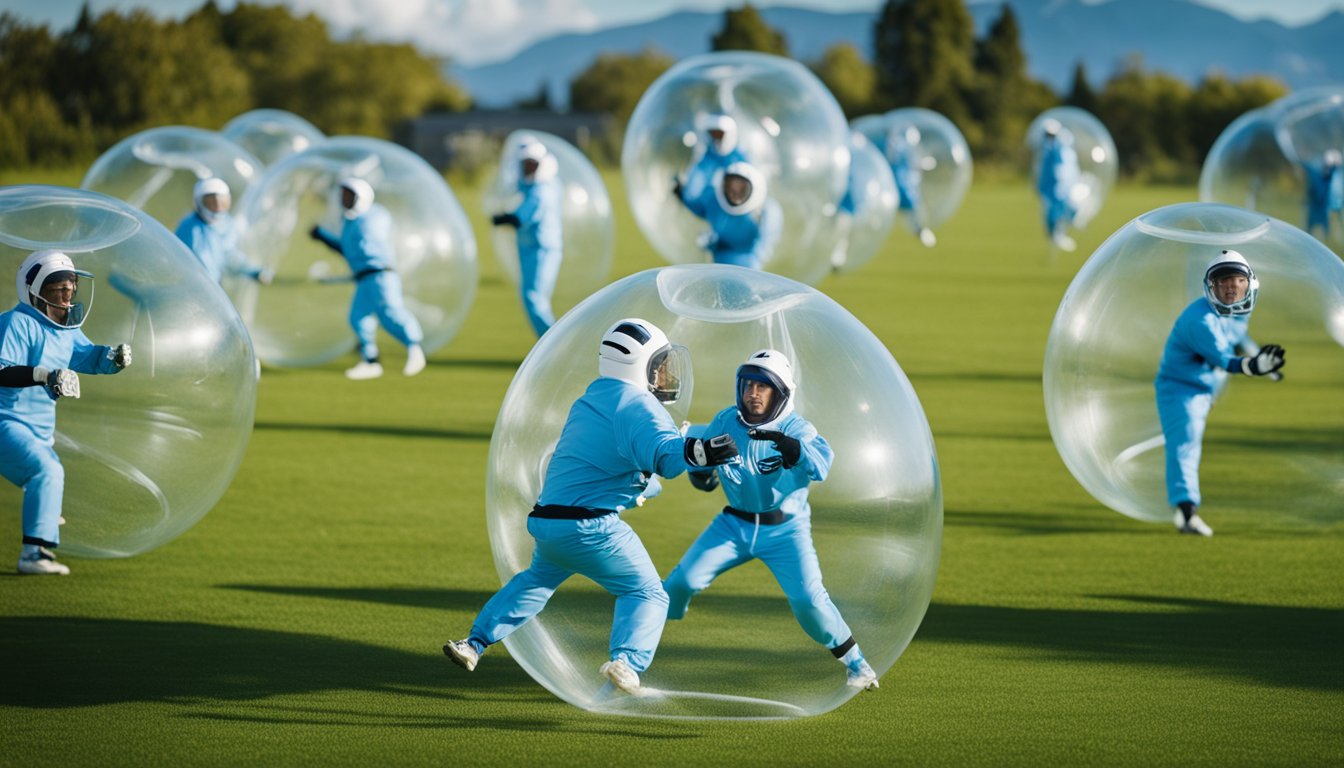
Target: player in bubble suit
[(717, 149), (538, 219), (209, 231), (744, 223), (42, 351), (1209, 339), (1325, 193), (1055, 180), (768, 516), (366, 243), (617, 434), (901, 150)]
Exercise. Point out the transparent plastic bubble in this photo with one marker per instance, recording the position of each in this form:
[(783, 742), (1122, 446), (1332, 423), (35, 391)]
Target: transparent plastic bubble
[(1107, 340), (868, 210), (876, 520), (939, 159), (148, 451), (588, 226), (271, 135), (1098, 161), (301, 318), (788, 125), (156, 170), (1260, 161)]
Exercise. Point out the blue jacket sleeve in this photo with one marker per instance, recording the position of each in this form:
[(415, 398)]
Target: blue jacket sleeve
[(817, 454), (329, 240), (89, 357), (653, 441), (1215, 351)]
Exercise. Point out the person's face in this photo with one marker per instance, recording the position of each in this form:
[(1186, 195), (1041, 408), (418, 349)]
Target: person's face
[(757, 397), (58, 295), (716, 137), (347, 198), (736, 189), (217, 203), (1231, 289), (530, 167)]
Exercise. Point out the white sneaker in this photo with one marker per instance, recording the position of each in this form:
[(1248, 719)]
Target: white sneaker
[(415, 360), (1064, 243), (364, 370), (862, 677), (1195, 524), (462, 654), (621, 675), (42, 563), (927, 237)]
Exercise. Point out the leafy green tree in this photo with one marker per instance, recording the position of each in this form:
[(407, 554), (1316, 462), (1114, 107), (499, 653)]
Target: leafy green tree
[(614, 82), (745, 30), (1217, 101), (1147, 117), (1004, 98), (1081, 94), (849, 77), (923, 51)]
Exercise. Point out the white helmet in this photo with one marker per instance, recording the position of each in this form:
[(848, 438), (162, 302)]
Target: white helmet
[(43, 266), (532, 149), (1231, 263), (1332, 157), (773, 368), (1051, 126), (637, 352), (363, 193), (203, 189), (756, 190), (723, 124)]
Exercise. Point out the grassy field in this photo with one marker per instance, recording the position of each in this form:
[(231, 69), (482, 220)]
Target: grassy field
[(300, 622)]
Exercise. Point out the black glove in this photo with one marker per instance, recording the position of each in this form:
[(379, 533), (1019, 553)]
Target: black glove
[(705, 481), (790, 449), (505, 219), (676, 187), (710, 453), (315, 232), (1268, 360)]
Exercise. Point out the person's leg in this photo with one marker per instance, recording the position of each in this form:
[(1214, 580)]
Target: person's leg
[(716, 550), (787, 550), (390, 306), (1183, 414), (363, 319), (32, 465), (538, 270)]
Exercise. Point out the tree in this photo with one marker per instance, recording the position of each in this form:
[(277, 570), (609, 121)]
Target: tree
[(1217, 101), (614, 82), (850, 78), (1004, 98), (745, 30), (1081, 94), (1147, 117), (923, 52)]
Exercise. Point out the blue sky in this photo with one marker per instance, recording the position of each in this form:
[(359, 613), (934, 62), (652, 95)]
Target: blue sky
[(480, 31)]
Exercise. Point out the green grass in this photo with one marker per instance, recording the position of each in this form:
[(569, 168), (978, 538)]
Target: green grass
[(300, 622)]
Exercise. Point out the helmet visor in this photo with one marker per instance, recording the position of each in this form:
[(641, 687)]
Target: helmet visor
[(670, 373), (64, 297), (749, 373)]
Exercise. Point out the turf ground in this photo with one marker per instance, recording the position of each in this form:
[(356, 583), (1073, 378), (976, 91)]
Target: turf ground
[(300, 622)]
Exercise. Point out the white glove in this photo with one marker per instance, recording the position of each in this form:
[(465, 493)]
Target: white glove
[(60, 383), (1267, 361), (266, 276), (120, 355)]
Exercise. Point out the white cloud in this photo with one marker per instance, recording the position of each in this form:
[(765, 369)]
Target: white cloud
[(469, 31)]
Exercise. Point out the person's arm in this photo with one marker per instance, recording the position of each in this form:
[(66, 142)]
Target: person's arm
[(799, 445), (326, 238), (1223, 354), (98, 358)]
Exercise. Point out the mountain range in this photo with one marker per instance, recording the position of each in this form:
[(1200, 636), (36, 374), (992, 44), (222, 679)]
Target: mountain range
[(1173, 36)]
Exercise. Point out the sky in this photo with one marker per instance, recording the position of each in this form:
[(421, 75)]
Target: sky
[(482, 31)]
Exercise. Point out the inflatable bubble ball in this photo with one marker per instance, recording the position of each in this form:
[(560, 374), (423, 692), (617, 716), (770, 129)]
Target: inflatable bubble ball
[(876, 519), (147, 452), (301, 318), (1283, 160), (1098, 162), (271, 135), (1108, 337), (779, 118), (587, 227), (868, 210), (931, 153), (155, 170)]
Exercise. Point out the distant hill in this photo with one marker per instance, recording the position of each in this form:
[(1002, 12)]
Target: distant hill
[(1181, 38)]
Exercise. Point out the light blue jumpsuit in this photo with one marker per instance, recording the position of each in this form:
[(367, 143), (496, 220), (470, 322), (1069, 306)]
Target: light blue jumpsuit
[(907, 178), (704, 168), (216, 245), (616, 435), (28, 414), (1325, 195), (1200, 351), (366, 244), (742, 239), (540, 247), (758, 482), (1055, 181)]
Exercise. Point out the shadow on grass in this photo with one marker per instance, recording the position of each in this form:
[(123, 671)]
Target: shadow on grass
[(1082, 520), (369, 429), (1269, 644), (228, 673), (503, 365), (1027, 377)]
